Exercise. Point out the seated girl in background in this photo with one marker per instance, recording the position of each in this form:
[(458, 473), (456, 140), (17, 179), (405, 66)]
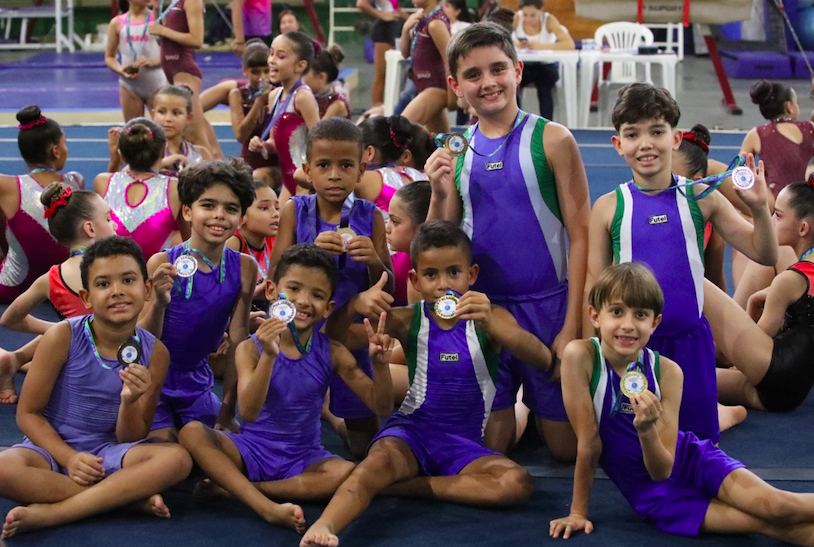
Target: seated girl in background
[(173, 112), (322, 81)]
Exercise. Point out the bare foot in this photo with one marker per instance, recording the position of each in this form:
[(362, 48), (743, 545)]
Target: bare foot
[(23, 519), (287, 515), (8, 367), (730, 416), (319, 534), (155, 506), (206, 490)]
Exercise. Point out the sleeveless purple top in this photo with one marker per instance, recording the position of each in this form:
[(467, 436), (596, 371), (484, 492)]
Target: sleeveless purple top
[(353, 277), (194, 328), (84, 404), (293, 406)]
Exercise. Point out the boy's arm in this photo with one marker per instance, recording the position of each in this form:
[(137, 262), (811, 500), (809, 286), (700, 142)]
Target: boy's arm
[(757, 241), (656, 421), (577, 366), (140, 392), (600, 251), (375, 254), (50, 357), (785, 289), (162, 273), (238, 331), (370, 303), (286, 234), (501, 327), (377, 394), (445, 203), (562, 153), (18, 314), (254, 370)]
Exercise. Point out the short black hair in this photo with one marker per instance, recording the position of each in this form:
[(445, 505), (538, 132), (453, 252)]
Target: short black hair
[(307, 255), (233, 172), (437, 234), (642, 101), (111, 246), (334, 129)]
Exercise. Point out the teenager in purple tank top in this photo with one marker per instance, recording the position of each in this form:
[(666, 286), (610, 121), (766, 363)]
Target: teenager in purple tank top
[(659, 220), (87, 403), (623, 400), (201, 289), (286, 371), (355, 237)]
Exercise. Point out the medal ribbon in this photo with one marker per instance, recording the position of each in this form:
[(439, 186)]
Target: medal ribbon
[(295, 333), (521, 115), (42, 170), (143, 34), (89, 333), (807, 254), (221, 268), (420, 26), (77, 252), (714, 181), (166, 11), (278, 109), (637, 365)]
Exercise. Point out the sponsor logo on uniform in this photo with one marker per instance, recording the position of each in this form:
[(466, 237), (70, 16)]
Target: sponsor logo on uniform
[(494, 166), (658, 219), (449, 357), (627, 408)]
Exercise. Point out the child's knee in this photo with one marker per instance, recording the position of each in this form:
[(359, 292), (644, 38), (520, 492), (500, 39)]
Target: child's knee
[(194, 434), (780, 506), (517, 486), (178, 460)]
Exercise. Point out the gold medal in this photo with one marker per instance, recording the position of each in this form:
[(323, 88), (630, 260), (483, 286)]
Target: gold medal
[(446, 306), (633, 383), (347, 234), (456, 143)]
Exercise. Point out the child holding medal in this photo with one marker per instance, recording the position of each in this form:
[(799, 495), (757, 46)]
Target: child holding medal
[(771, 350), (353, 233), (135, 56), (201, 288), (683, 485), (658, 219), (516, 175), (87, 404), (283, 375), (432, 447), (75, 219)]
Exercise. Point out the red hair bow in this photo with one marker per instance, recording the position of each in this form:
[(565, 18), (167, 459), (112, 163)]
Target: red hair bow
[(51, 210)]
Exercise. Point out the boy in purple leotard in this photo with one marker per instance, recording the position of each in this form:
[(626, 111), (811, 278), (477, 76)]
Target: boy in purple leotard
[(85, 410), (433, 445), (682, 484), (282, 385), (191, 312)]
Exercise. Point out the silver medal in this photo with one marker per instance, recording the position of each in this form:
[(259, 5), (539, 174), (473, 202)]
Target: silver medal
[(285, 310), (743, 177), (186, 265)]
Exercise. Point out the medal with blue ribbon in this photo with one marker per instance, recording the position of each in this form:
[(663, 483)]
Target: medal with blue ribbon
[(186, 265), (127, 354), (633, 382), (458, 144), (745, 180)]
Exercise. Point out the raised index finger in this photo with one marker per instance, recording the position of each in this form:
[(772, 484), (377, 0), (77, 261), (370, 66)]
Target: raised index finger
[(382, 318)]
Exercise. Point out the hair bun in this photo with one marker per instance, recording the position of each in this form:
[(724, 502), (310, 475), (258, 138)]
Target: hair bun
[(29, 114)]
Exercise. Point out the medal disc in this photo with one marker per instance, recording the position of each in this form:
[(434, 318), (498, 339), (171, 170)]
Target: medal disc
[(285, 310), (456, 143), (347, 234), (186, 265), (129, 352), (743, 178), (633, 383), (446, 306)]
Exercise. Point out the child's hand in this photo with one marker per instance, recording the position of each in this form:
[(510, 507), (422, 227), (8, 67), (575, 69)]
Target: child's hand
[(374, 301), (163, 279), (439, 168), (137, 380), (331, 242), (647, 408), (223, 348), (156, 29), (477, 307), (256, 319), (361, 249), (174, 162), (756, 196), (413, 19), (85, 469), (380, 344), (268, 334), (113, 142), (566, 526), (227, 423), (754, 306), (255, 144)]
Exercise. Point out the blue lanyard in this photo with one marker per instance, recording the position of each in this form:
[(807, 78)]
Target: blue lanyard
[(221, 268), (265, 271), (278, 109), (521, 115), (807, 254), (143, 35), (89, 333), (166, 11), (77, 252), (714, 181), (42, 170), (295, 334), (420, 27)]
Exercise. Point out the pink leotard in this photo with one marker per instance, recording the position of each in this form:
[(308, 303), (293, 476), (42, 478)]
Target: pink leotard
[(32, 250), (150, 222)]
